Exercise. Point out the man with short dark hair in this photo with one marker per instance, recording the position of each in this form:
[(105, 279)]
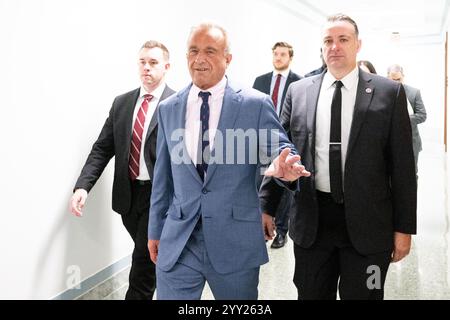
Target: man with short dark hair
[(129, 135), (282, 55), (275, 84), (356, 213)]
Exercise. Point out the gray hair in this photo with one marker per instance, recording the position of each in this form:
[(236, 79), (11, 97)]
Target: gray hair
[(395, 68), (209, 26)]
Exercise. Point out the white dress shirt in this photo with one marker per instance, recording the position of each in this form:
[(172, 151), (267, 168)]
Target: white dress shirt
[(192, 125), (323, 122), (283, 80), (143, 172)]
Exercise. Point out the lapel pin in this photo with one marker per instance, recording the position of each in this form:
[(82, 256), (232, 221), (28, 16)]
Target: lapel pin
[(368, 90)]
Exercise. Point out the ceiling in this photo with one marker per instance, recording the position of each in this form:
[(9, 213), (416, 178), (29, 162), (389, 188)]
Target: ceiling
[(408, 18)]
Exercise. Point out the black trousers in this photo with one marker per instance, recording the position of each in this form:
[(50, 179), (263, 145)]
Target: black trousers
[(142, 278), (283, 213), (332, 262)]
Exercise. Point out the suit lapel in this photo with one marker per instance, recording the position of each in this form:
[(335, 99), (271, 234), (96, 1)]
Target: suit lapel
[(267, 82), (230, 110), (312, 99), (149, 148), (129, 105), (364, 96), (289, 80)]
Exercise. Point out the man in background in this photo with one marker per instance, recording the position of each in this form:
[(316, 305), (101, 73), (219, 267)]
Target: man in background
[(129, 134), (416, 108), (275, 84)]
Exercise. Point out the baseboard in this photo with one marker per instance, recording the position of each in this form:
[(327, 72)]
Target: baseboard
[(94, 280)]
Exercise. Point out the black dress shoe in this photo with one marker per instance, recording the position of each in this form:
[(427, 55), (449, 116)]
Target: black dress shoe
[(279, 241)]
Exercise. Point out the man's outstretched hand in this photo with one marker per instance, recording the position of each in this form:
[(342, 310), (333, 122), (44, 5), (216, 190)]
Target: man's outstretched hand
[(286, 167)]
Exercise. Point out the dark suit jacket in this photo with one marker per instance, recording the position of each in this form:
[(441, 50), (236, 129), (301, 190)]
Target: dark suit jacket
[(115, 140), (379, 179), (262, 83)]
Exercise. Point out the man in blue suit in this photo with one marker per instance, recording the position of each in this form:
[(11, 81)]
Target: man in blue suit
[(205, 223)]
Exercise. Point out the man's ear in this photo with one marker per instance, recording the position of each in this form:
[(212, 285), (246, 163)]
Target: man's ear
[(228, 58)]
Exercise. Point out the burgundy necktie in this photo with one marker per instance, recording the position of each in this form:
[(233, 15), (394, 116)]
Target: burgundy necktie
[(136, 138), (276, 88)]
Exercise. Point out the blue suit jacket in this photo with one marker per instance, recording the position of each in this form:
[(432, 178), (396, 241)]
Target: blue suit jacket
[(227, 201)]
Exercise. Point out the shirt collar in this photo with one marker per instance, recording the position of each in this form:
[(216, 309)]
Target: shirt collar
[(157, 93), (215, 90), (284, 74), (349, 81)]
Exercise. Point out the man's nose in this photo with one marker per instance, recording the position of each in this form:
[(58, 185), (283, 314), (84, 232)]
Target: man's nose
[(200, 57)]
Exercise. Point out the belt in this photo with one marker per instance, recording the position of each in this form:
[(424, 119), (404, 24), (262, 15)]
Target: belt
[(142, 182)]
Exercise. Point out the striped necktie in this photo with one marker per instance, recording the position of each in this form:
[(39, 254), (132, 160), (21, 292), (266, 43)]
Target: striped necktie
[(202, 165), (136, 138)]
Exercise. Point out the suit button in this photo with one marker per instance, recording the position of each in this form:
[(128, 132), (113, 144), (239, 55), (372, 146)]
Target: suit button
[(205, 191)]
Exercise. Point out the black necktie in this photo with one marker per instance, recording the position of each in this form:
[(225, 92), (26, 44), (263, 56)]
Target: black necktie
[(203, 156), (335, 146)]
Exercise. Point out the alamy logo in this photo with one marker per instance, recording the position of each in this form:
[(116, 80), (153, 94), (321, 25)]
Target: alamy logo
[(374, 279), (74, 277), (234, 146)]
